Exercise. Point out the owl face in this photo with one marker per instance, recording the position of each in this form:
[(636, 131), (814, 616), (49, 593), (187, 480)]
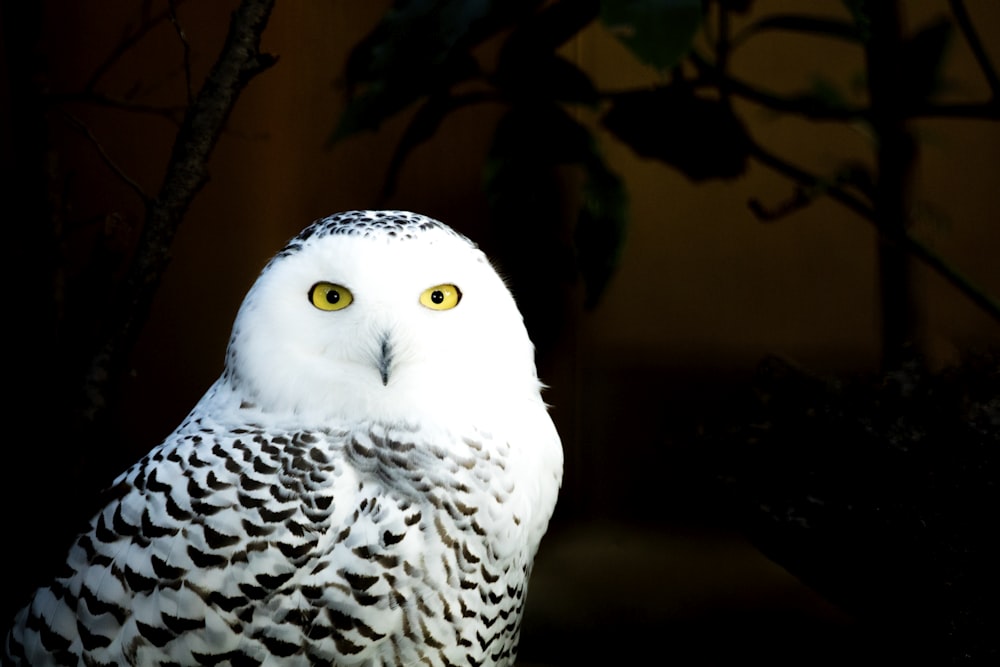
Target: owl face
[(394, 326)]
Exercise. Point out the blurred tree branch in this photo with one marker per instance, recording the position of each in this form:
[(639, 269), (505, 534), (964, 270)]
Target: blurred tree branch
[(172, 113), (172, 6), (810, 187), (689, 121), (78, 125), (971, 35), (129, 41), (84, 286), (187, 172)]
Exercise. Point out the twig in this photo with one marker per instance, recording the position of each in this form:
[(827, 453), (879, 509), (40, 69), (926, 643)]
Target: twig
[(808, 182), (78, 125), (175, 21), (712, 76), (976, 111), (800, 24), (173, 114), (126, 44), (951, 274), (723, 46), (187, 173), (972, 37), (801, 198)]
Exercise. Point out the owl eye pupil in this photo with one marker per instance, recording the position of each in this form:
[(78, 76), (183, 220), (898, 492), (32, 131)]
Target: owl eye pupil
[(440, 297), (329, 296)]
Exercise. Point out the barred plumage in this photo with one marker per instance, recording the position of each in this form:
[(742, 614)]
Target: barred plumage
[(344, 494)]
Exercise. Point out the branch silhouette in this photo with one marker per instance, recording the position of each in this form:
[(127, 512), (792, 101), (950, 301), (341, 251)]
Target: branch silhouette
[(187, 172)]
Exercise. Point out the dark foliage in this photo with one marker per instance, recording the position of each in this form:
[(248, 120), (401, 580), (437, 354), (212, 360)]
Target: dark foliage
[(881, 493), (700, 137), (424, 54)]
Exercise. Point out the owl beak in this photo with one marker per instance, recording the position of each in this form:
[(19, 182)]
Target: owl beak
[(385, 359)]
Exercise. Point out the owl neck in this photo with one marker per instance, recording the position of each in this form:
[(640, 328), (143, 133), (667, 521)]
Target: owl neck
[(396, 405)]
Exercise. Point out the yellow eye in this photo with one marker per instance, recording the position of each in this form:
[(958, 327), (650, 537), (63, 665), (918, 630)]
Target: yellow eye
[(328, 296), (441, 297)]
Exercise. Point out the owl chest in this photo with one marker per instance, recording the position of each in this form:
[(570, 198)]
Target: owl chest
[(342, 551), (445, 574), (465, 503), (426, 548)]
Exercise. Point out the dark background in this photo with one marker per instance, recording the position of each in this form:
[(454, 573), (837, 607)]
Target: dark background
[(642, 554)]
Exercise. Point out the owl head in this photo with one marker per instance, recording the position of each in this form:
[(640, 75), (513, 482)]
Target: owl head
[(385, 315)]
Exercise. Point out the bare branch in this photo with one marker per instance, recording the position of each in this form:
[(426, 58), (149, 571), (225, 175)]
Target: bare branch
[(947, 271), (811, 183), (809, 186), (710, 75), (723, 47), (187, 173), (972, 37), (78, 125), (175, 114), (145, 26), (175, 21), (982, 111), (801, 198)]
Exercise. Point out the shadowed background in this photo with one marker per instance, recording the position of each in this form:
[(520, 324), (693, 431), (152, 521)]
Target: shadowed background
[(638, 555)]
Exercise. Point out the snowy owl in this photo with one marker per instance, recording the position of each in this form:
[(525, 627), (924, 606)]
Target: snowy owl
[(367, 483)]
